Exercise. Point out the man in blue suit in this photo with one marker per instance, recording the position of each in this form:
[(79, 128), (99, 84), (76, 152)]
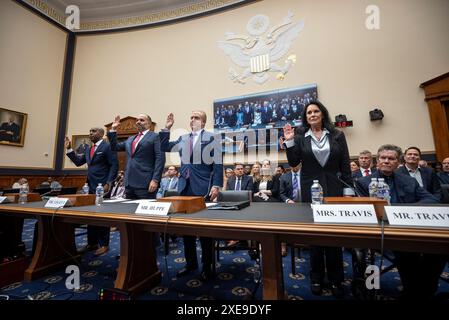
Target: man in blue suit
[(290, 186), (239, 181), (169, 182), (426, 178), (102, 167), (201, 175), (145, 161), (419, 272)]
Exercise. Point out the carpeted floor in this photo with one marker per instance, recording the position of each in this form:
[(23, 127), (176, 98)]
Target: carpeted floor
[(235, 280)]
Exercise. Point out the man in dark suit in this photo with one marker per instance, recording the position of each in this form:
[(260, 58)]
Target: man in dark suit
[(102, 166), (444, 175), (145, 160), (201, 174), (239, 181), (426, 178), (290, 190), (365, 161), (419, 272)]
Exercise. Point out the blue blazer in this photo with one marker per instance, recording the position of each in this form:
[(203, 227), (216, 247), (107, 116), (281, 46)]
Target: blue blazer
[(246, 184), (405, 190), (145, 164), (429, 179), (102, 168), (204, 172)]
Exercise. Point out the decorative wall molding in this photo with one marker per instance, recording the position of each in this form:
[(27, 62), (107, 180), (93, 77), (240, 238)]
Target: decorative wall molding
[(143, 19)]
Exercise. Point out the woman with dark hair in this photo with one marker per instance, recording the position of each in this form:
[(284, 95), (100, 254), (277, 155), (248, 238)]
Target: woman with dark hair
[(324, 154)]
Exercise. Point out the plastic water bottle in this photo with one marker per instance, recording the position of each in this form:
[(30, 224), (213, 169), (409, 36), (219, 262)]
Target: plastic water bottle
[(383, 190), (23, 194), (372, 188), (86, 189), (99, 195), (317, 192)]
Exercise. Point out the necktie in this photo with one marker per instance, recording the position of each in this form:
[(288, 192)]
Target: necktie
[(191, 141), (92, 151), (169, 183), (135, 141), (366, 172), (295, 187), (238, 186)]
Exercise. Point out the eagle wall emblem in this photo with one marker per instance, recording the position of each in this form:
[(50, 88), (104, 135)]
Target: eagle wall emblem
[(259, 52)]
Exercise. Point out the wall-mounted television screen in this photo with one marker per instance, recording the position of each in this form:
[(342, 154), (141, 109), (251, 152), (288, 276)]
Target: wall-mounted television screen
[(265, 110)]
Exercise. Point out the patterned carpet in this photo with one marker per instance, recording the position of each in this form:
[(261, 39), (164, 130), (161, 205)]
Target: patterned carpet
[(235, 280)]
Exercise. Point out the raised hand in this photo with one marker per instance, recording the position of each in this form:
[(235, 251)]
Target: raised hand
[(289, 132), (170, 121), (116, 123), (67, 143)]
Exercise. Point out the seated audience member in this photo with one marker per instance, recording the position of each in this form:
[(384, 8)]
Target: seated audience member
[(50, 183), (19, 183), (267, 189), (247, 170), (354, 167), (118, 187), (444, 174), (228, 173), (239, 181), (425, 177), (168, 182), (420, 272), (365, 162), (279, 170)]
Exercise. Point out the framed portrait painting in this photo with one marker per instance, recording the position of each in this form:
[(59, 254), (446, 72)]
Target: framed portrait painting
[(12, 127), (80, 143)]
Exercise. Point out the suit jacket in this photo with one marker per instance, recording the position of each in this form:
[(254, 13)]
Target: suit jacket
[(443, 177), (286, 186), (429, 179), (145, 164), (204, 167), (358, 174), (165, 184), (405, 189), (102, 168), (245, 184), (338, 162)]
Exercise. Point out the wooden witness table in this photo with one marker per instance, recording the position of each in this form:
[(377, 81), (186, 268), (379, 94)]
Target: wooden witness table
[(270, 224)]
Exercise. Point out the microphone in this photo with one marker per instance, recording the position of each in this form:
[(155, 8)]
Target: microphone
[(353, 188)]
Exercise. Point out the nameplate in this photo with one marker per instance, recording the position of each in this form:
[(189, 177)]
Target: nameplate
[(4, 200), (344, 213), (418, 216), (55, 202), (157, 208)]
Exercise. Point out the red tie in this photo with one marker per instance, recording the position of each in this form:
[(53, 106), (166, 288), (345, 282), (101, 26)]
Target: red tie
[(92, 151), (136, 140), (366, 172)]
